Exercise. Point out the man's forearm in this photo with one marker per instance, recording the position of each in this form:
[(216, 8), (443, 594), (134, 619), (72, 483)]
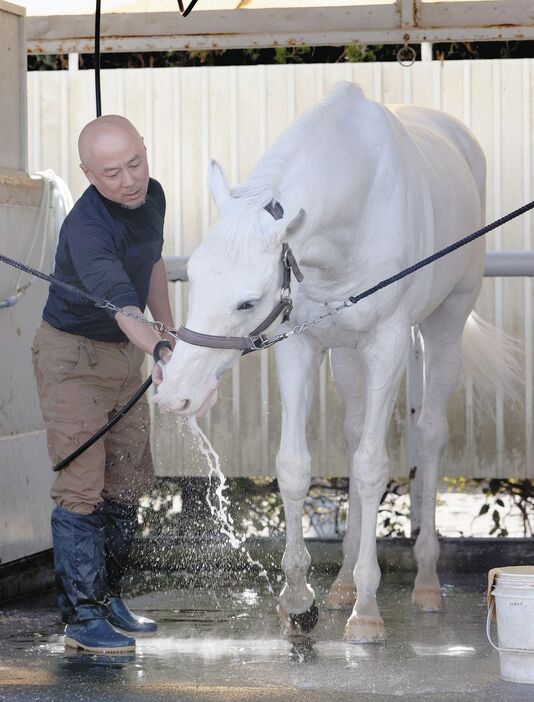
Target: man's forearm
[(139, 333)]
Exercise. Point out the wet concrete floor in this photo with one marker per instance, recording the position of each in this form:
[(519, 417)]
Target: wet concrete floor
[(222, 642)]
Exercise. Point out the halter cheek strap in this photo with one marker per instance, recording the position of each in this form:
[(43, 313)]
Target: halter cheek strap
[(255, 340)]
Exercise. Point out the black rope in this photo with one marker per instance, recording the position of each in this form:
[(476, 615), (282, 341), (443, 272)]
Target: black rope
[(442, 252), (98, 96), (103, 430), (98, 302)]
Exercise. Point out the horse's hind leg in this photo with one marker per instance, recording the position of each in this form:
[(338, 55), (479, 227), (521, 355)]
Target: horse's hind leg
[(442, 334), (297, 362), (349, 376)]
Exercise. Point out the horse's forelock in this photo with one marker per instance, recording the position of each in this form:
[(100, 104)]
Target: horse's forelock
[(241, 230)]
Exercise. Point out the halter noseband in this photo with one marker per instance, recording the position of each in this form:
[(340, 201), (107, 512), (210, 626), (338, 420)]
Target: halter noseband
[(255, 340)]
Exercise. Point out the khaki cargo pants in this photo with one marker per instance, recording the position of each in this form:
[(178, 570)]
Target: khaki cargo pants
[(81, 384)]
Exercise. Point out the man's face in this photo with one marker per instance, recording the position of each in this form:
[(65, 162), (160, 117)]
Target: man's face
[(117, 166)]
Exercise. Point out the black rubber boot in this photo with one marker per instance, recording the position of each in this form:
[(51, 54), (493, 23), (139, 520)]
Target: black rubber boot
[(81, 583), (120, 523)]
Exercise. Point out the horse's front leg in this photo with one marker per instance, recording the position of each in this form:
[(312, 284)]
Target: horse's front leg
[(384, 356), (297, 361)]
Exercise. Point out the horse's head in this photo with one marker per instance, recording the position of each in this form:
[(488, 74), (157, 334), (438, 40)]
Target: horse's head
[(235, 280)]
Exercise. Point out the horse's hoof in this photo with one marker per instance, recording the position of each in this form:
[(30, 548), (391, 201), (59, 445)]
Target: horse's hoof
[(298, 624), (427, 599), (340, 596), (365, 630)]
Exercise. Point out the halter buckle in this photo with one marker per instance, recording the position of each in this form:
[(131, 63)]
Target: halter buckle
[(262, 341)]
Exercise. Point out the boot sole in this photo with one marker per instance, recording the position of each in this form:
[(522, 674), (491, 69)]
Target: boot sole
[(72, 643)]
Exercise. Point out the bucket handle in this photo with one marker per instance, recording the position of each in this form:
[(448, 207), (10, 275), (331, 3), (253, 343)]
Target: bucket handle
[(488, 634)]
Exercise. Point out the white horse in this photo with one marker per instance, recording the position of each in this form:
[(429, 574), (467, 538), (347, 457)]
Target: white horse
[(360, 192)]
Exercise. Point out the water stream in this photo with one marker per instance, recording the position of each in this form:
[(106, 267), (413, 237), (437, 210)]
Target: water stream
[(220, 510)]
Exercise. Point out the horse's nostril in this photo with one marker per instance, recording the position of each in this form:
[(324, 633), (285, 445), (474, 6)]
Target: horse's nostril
[(184, 405)]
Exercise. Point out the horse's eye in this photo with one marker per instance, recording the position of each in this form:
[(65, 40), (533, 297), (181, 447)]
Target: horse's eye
[(246, 306)]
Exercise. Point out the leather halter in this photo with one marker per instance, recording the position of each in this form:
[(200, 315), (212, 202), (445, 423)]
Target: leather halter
[(255, 340)]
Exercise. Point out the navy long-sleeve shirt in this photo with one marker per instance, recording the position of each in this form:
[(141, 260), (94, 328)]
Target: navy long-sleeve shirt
[(108, 251)]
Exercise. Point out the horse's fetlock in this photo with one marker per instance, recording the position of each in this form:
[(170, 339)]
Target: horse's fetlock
[(367, 578), (427, 547)]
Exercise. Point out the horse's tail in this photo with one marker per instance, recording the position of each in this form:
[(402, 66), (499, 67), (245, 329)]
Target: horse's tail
[(491, 359)]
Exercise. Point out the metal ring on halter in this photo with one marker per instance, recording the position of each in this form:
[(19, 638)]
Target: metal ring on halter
[(406, 56)]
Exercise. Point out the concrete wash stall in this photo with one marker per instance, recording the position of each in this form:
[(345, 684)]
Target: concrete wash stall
[(31, 209)]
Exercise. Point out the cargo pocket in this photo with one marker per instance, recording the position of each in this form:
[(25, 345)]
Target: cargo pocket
[(58, 363)]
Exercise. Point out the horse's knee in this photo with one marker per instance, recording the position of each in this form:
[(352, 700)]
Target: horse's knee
[(294, 475), (370, 470)]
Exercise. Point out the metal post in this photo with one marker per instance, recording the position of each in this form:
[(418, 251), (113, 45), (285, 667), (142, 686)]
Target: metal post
[(74, 62), (426, 51)]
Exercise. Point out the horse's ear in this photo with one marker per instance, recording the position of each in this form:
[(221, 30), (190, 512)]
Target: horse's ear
[(218, 185), (294, 224)]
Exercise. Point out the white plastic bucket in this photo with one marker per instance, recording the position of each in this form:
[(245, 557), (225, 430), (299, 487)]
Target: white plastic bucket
[(513, 601)]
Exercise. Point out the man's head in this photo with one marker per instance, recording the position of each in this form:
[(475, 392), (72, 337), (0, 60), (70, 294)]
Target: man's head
[(113, 158)]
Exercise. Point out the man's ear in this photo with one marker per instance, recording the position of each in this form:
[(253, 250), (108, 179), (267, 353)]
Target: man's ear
[(87, 174), (218, 186)]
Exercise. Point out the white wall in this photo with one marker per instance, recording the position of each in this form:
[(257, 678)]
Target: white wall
[(191, 114)]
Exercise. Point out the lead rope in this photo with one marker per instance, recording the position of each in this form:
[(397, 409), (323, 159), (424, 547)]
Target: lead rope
[(354, 299)]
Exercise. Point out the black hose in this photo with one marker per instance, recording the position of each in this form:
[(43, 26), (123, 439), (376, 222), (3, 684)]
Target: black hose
[(188, 8), (98, 96), (103, 430)]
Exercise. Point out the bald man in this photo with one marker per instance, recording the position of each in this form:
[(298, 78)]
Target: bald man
[(87, 363)]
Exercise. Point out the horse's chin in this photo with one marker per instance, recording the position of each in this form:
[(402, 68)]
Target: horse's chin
[(185, 408)]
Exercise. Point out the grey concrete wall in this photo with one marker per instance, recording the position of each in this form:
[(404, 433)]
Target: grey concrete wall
[(25, 473), (12, 88)]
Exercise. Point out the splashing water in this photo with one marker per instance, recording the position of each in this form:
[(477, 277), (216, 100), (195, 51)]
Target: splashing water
[(220, 510)]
